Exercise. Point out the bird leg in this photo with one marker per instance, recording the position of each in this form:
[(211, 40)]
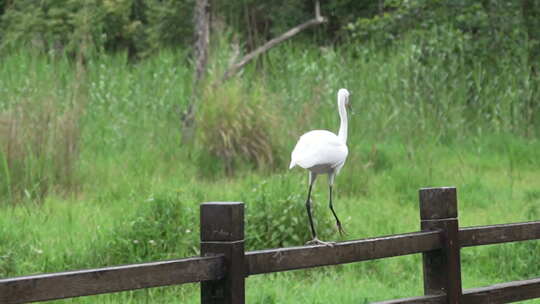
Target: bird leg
[(338, 223), (308, 207), (315, 240)]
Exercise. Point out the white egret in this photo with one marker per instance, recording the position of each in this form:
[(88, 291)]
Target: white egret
[(323, 152)]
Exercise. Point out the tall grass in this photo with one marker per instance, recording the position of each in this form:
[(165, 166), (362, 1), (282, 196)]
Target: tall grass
[(236, 125), (39, 129), (416, 92), (420, 120)]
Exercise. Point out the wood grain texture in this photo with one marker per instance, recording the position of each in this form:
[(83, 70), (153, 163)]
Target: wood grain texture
[(110, 279), (433, 299), (282, 259), (503, 293), (438, 203), (222, 221), (442, 267), (486, 235), (222, 233)]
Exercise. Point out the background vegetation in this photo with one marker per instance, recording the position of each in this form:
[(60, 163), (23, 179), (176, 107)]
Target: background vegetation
[(93, 171)]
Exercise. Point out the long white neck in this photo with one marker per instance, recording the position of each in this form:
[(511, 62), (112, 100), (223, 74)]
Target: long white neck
[(342, 134)]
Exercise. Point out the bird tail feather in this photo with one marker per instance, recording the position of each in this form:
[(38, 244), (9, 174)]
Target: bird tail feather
[(292, 164)]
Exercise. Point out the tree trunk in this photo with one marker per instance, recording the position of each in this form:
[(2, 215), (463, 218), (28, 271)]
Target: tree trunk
[(202, 33), (202, 37), (202, 40), (530, 11)]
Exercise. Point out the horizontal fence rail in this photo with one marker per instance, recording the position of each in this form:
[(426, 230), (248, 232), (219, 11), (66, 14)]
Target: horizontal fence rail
[(503, 293), (224, 265), (495, 234), (282, 259), (110, 279), (494, 294), (432, 299)]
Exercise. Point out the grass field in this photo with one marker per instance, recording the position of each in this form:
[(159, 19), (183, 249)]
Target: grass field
[(109, 181)]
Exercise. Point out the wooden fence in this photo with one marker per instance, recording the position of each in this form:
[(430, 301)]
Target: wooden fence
[(224, 264)]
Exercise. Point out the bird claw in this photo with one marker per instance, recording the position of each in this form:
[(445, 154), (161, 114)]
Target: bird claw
[(341, 230), (316, 241)]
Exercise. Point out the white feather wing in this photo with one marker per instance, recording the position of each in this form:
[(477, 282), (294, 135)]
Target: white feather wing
[(319, 148)]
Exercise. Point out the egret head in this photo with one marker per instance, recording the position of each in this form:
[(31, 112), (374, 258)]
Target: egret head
[(343, 97)]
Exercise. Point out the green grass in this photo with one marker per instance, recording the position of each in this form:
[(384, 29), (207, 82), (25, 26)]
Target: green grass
[(136, 187)]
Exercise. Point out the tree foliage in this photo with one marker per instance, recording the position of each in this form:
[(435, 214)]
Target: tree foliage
[(142, 26), (487, 27), (102, 25)]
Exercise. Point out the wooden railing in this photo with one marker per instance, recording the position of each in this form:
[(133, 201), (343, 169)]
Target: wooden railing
[(224, 264)]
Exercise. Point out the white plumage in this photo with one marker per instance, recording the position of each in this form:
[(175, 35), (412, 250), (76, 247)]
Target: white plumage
[(323, 152), (320, 151)]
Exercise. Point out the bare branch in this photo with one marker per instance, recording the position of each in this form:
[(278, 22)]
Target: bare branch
[(233, 69)]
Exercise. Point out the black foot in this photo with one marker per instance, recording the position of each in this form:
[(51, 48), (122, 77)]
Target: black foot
[(340, 229)]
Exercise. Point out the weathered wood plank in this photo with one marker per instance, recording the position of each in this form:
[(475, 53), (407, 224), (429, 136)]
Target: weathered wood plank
[(222, 233), (222, 221), (282, 259), (438, 203), (503, 293), (494, 234), (433, 299), (442, 268), (110, 279)]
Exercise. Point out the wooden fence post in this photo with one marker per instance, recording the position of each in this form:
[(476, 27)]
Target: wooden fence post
[(222, 232), (442, 269)]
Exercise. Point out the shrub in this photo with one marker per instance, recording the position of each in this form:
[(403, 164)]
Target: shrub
[(276, 214), (237, 124), (164, 226)]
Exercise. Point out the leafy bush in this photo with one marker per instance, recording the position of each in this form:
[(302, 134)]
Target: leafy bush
[(276, 214), (163, 227)]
